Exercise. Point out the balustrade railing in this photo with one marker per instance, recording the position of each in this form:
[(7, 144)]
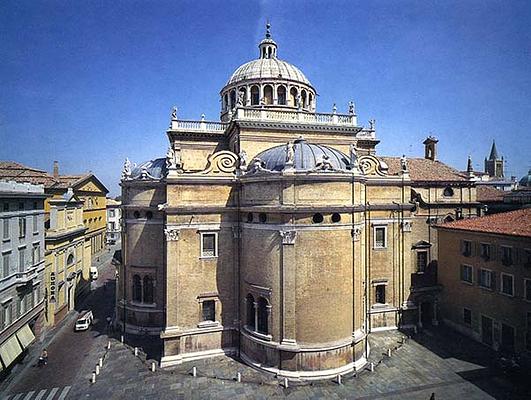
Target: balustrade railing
[(198, 125)]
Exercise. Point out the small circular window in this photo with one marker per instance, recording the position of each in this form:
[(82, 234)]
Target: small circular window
[(336, 217), (317, 218), (149, 215), (448, 191), (250, 217), (262, 217), (136, 214)]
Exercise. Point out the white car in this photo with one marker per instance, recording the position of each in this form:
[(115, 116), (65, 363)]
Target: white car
[(84, 322)]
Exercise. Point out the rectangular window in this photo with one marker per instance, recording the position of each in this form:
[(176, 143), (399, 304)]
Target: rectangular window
[(528, 332), (507, 282), (36, 255), (209, 310), (209, 245), (485, 251), (379, 294), (466, 273), (111, 213), (6, 207), (21, 206), (507, 255), (467, 316), (486, 279), (5, 264), (21, 259), (486, 330), (527, 289), (380, 240), (422, 261), (21, 227), (35, 224), (21, 305), (466, 248), (526, 258), (5, 224)]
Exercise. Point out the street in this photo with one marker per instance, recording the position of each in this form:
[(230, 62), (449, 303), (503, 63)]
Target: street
[(69, 350)]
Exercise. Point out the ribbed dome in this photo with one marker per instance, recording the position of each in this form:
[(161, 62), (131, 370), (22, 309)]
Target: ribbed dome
[(155, 168), (271, 68), (307, 156), (526, 180)]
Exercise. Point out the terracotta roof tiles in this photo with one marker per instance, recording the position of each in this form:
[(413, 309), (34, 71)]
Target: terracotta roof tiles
[(489, 194), (423, 169), (513, 223)]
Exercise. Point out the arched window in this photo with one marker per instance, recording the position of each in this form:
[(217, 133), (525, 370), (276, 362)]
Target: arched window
[(148, 290), (303, 99), (262, 316), (281, 95), (268, 94), (70, 259), (137, 289), (233, 98), (250, 312), (310, 101), (255, 96), (225, 101), (293, 97)]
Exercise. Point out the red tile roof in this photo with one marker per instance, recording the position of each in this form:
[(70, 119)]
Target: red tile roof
[(489, 194), (513, 223), (422, 169)]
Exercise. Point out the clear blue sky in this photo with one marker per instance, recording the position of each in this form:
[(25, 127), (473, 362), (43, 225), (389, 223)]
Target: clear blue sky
[(91, 82)]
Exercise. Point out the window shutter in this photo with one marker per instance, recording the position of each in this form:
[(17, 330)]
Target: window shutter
[(462, 246), (493, 280), (478, 276), (493, 252)]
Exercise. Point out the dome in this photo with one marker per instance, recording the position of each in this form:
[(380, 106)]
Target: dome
[(526, 180), (155, 169), (268, 68), (307, 157)]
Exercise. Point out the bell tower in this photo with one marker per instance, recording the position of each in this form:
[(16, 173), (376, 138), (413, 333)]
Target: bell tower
[(430, 148)]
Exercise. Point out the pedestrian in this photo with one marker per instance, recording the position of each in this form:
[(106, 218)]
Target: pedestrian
[(44, 356)]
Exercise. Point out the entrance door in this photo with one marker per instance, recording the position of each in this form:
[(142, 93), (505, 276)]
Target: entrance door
[(486, 330), (507, 338)]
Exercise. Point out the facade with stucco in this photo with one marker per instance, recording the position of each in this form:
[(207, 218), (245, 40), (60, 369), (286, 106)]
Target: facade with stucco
[(279, 234)]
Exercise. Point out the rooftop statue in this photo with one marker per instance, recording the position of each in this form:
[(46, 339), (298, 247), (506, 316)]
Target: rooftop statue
[(127, 169)]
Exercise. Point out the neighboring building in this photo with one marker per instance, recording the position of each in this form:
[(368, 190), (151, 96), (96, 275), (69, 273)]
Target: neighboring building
[(497, 200), (485, 271), (494, 164), (279, 234), (114, 221), (67, 195), (67, 267), (22, 266), (89, 189)]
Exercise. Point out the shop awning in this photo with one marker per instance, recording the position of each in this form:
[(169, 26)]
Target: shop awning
[(25, 336), (10, 350)]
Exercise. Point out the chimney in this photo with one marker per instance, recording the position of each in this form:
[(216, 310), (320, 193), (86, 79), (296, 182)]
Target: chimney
[(430, 148), (56, 169)]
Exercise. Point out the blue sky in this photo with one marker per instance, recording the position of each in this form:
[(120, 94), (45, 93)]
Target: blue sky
[(89, 83)]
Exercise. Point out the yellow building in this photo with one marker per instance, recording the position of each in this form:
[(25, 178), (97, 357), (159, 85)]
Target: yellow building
[(67, 270)]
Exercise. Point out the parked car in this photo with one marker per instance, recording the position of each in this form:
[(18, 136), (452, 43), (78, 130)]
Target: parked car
[(84, 322)]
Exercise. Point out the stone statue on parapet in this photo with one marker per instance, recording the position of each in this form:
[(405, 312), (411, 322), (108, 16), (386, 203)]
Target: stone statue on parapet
[(241, 99), (257, 165), (174, 113), (324, 163), (372, 124), (353, 156), (127, 169), (403, 164), (351, 108), (298, 101), (290, 153), (243, 160)]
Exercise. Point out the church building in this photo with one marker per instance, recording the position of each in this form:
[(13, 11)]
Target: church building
[(280, 234)]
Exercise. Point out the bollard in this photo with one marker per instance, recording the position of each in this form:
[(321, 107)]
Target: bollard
[(286, 383), (371, 367), (194, 372), (239, 377), (93, 379), (97, 369), (388, 352), (109, 345), (339, 379), (136, 351), (122, 338), (153, 367), (101, 362)]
